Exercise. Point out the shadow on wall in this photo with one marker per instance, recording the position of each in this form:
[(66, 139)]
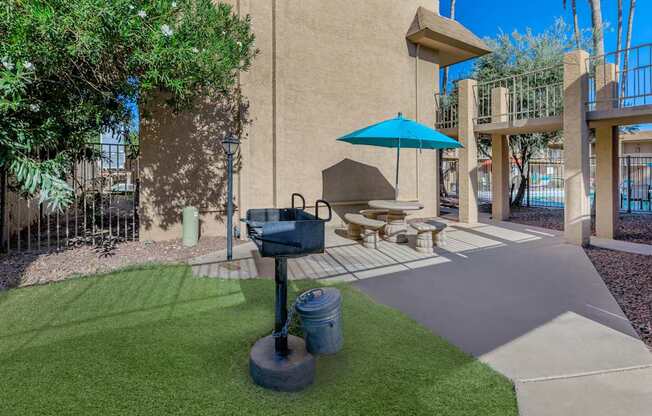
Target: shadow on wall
[(350, 181), (182, 162)]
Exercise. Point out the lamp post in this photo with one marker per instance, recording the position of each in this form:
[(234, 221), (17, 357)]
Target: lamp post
[(230, 145)]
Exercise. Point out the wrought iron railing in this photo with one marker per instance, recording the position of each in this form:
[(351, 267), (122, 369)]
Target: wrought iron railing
[(632, 85), (104, 208), (545, 182), (445, 111), (533, 94)]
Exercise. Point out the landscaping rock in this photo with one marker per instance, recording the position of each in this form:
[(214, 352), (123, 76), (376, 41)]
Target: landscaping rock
[(629, 278)]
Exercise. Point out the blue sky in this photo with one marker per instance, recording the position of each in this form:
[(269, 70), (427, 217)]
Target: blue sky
[(488, 18)]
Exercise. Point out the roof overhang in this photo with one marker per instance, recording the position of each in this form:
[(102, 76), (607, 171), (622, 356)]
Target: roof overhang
[(454, 42)]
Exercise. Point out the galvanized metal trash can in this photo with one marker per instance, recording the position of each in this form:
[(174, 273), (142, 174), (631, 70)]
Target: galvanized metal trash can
[(320, 311)]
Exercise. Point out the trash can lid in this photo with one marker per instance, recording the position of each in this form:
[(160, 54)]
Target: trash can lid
[(318, 302)]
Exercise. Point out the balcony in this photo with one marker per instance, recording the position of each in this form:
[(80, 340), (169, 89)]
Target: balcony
[(618, 92)]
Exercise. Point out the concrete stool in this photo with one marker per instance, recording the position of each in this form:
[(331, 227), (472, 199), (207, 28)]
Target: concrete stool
[(370, 229), (429, 235), (375, 214), (354, 231)]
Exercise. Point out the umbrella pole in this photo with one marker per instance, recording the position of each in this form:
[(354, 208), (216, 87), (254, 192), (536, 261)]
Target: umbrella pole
[(398, 162)]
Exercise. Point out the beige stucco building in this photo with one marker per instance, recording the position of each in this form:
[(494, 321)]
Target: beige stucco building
[(637, 144), (325, 68)]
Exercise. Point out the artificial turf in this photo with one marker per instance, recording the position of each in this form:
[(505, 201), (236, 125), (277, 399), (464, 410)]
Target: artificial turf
[(157, 341)]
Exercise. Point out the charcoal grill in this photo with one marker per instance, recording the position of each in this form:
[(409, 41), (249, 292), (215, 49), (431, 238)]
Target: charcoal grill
[(288, 232), (284, 233)]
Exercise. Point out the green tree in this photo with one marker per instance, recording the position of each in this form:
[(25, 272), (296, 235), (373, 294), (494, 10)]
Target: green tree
[(513, 55), (69, 68)]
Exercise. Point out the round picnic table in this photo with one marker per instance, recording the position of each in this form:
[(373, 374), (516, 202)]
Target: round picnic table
[(396, 228)]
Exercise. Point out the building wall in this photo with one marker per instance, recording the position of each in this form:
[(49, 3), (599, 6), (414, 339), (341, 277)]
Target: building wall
[(325, 68), (642, 148)]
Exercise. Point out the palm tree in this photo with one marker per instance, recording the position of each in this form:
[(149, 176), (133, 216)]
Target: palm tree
[(576, 23), (445, 77), (619, 36), (596, 23), (628, 44)]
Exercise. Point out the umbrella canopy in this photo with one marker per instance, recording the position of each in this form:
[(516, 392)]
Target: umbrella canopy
[(398, 133)]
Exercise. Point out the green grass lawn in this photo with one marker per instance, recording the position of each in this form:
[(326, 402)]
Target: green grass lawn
[(158, 341)]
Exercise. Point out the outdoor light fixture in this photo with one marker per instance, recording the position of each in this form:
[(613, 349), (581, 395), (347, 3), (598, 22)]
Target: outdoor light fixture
[(230, 145)]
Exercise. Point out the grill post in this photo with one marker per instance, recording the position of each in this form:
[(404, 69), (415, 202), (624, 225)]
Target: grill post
[(281, 278)]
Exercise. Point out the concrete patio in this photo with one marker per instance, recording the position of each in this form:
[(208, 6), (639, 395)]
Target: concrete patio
[(516, 297)]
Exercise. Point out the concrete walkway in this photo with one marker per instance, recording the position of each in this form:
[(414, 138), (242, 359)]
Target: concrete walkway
[(538, 312), (516, 297), (635, 248)]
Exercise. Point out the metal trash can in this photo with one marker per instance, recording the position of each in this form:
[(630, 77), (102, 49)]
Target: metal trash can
[(321, 320)]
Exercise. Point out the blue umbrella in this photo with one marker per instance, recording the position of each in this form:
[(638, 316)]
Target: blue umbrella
[(400, 132)]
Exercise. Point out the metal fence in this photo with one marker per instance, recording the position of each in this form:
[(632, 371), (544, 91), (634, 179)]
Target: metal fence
[(633, 78), (445, 111), (104, 208), (545, 182), (533, 94), (450, 177)]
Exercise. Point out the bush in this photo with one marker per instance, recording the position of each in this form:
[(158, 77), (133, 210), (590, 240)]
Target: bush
[(70, 69)]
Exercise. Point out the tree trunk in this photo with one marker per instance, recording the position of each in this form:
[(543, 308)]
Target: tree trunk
[(619, 34), (628, 44), (445, 77), (520, 193), (596, 23), (521, 166), (576, 23)]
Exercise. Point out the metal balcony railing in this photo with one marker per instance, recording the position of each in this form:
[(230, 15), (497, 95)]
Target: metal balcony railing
[(445, 111), (533, 94), (633, 78)]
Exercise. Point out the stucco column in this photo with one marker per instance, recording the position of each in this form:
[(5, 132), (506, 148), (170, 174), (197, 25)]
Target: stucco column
[(606, 156), (499, 157), (426, 163), (577, 216), (468, 155)]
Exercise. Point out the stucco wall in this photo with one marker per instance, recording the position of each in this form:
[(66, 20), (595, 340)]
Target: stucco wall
[(325, 68), (637, 148)]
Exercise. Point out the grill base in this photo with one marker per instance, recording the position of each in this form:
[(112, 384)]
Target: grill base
[(293, 372)]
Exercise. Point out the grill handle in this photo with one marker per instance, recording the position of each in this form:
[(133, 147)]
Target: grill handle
[(330, 211), (303, 200)]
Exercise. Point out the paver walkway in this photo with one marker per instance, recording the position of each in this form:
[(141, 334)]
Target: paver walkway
[(516, 297)]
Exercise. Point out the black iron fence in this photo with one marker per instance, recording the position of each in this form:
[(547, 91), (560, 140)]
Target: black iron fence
[(104, 208), (545, 182)]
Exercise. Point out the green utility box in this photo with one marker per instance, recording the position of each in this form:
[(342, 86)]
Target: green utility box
[(190, 226)]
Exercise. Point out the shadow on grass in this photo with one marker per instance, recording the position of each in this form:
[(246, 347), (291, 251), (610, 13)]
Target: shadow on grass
[(155, 341)]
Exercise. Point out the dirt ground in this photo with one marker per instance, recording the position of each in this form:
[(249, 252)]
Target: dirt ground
[(29, 268)]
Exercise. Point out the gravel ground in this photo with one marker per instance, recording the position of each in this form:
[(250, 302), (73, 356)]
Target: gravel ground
[(629, 278), (552, 219), (636, 228), (24, 269)]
